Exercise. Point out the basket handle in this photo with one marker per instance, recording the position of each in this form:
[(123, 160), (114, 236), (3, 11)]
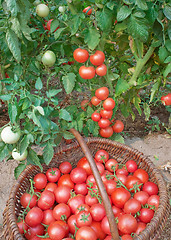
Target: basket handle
[(102, 190)]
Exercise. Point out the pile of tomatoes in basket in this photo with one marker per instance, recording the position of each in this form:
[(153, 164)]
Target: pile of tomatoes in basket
[(65, 203)]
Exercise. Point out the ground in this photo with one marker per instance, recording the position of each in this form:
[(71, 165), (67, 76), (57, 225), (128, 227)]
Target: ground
[(155, 145)]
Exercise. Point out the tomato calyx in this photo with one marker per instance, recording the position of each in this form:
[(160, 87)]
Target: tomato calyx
[(94, 192), (84, 217), (136, 187), (82, 208), (151, 207), (63, 217), (53, 172)]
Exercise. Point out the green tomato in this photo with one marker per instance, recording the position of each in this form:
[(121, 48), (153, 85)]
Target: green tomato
[(17, 156), (48, 58), (42, 10), (61, 9), (8, 136)]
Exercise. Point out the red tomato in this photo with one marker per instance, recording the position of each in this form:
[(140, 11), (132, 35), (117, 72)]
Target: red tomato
[(78, 175), (97, 58), (87, 10), (86, 233), (118, 126), (146, 215), (121, 177), (64, 225), (40, 181), (100, 167), (48, 217), (102, 93), (131, 166), (141, 227), (97, 212), (111, 163), (74, 202), (56, 231), (110, 186), (101, 156), (34, 217), (90, 201), (126, 237), (53, 174), (87, 72), (83, 218), (127, 224), (65, 167), (51, 187), (116, 211), (81, 55), (62, 194), (101, 70), (65, 180), (166, 100), (95, 101), (105, 225), (153, 200), (83, 162), (142, 175), (33, 231), (22, 227), (151, 188), (90, 179), (72, 223), (46, 200), (84, 104), (104, 123), (49, 24), (122, 171), (81, 188), (25, 200), (132, 206), (142, 197), (133, 183), (106, 132), (106, 114), (109, 237), (109, 104), (95, 116), (61, 211), (120, 196), (96, 226), (104, 176), (82, 207)]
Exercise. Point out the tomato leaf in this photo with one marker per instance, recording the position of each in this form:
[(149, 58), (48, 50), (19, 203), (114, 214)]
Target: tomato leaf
[(123, 13), (13, 44), (24, 143), (146, 111), (32, 158), (48, 153), (167, 11), (117, 137), (58, 33), (4, 151), (136, 101), (104, 19), (92, 38), (167, 70), (38, 84), (163, 53), (64, 114), (76, 22), (18, 170), (69, 82), (142, 4), (12, 111), (54, 24), (155, 88), (12, 7), (121, 87)]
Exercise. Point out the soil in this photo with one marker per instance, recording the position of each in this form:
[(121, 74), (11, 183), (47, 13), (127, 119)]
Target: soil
[(137, 134)]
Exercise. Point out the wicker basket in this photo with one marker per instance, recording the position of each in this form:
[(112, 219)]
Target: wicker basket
[(73, 152)]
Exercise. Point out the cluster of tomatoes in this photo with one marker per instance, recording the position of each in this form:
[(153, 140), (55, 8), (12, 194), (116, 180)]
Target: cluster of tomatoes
[(97, 59), (64, 203)]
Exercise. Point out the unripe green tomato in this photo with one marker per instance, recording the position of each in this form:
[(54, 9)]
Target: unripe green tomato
[(17, 156), (61, 9), (48, 58), (42, 10), (8, 136)]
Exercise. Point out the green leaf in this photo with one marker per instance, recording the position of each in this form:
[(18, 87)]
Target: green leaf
[(38, 84), (58, 33), (117, 137), (104, 19), (13, 44), (92, 38), (26, 30), (169, 31), (80, 125), (12, 7), (139, 14), (155, 89), (120, 26), (167, 11), (48, 153), (167, 70), (124, 110), (147, 111), (5, 97), (168, 59), (142, 4), (91, 125), (168, 45), (123, 13), (68, 135), (90, 111), (54, 24), (19, 169), (69, 82), (34, 159), (121, 87), (64, 114), (16, 27), (24, 143), (136, 101), (12, 111), (75, 24), (163, 53), (4, 151), (53, 92)]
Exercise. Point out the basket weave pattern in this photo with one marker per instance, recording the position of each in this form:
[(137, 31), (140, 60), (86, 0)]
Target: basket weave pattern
[(73, 153)]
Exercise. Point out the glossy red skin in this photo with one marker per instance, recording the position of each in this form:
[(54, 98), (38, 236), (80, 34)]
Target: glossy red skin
[(146, 215), (108, 237), (106, 114), (101, 70), (101, 156), (110, 186), (65, 167), (90, 179), (118, 126), (78, 175), (97, 58), (151, 188), (83, 162), (33, 231), (142, 197), (34, 217), (86, 233), (141, 226), (166, 100), (65, 180), (102, 93), (104, 176), (131, 181), (25, 200), (153, 200), (126, 237), (90, 201), (97, 212), (79, 218), (110, 163), (95, 116), (100, 167), (131, 166), (48, 217), (120, 196), (106, 132), (127, 224), (53, 174), (95, 101), (81, 55), (87, 11), (22, 226), (46, 200), (121, 177), (109, 104), (51, 187), (81, 188), (61, 209), (104, 123), (71, 223), (65, 226), (62, 194), (82, 207), (87, 72), (105, 225), (56, 231), (40, 181), (96, 226), (35, 238), (74, 202), (116, 210), (132, 206), (142, 175)]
